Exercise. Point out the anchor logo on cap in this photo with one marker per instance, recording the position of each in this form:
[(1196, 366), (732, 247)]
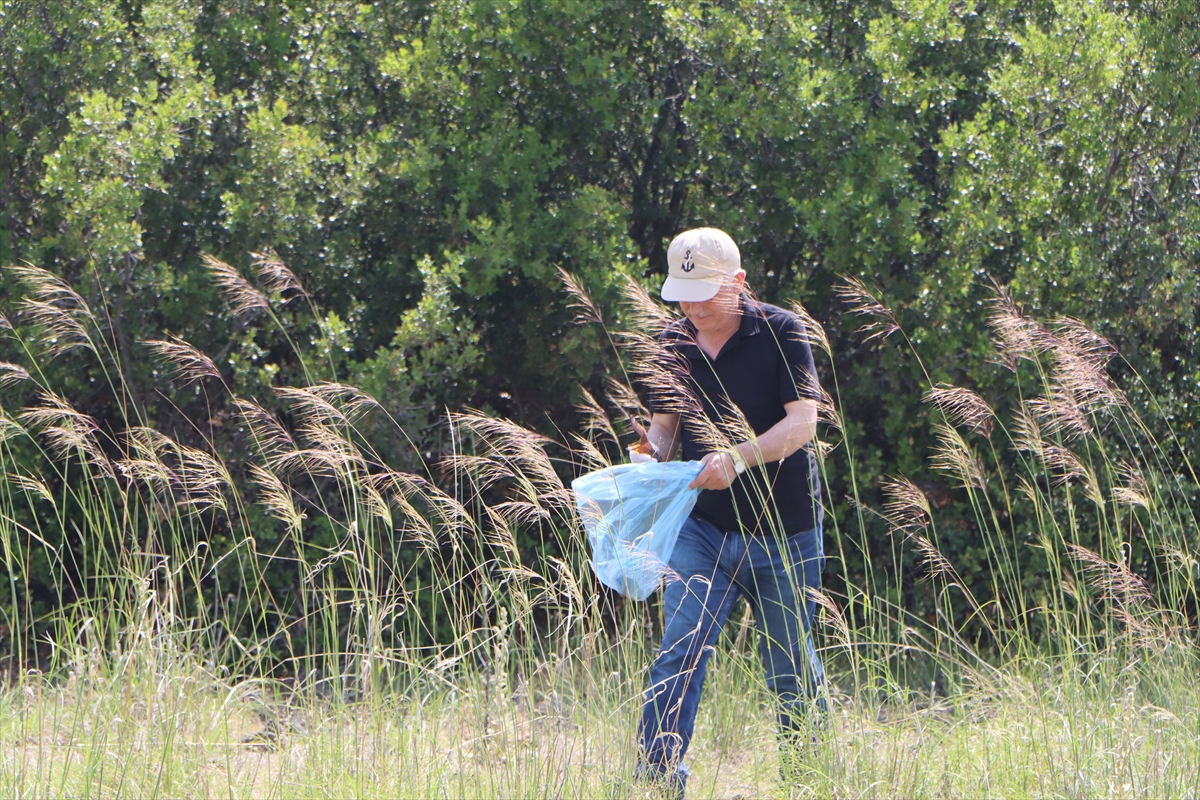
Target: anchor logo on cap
[(688, 263)]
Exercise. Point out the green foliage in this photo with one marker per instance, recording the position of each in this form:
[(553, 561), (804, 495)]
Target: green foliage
[(424, 168)]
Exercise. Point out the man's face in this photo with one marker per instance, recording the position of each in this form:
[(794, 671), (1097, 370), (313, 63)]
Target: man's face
[(721, 311)]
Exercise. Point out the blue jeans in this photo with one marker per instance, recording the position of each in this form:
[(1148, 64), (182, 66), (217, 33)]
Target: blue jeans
[(715, 569)]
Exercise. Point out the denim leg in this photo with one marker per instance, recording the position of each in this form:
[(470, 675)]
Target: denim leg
[(781, 572), (695, 610)]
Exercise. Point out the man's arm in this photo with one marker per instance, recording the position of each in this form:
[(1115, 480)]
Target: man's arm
[(664, 435), (796, 429)]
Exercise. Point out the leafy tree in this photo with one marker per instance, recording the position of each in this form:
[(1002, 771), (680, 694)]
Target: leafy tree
[(424, 169)]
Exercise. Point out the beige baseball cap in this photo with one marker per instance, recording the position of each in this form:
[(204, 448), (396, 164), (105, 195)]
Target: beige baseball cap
[(698, 262)]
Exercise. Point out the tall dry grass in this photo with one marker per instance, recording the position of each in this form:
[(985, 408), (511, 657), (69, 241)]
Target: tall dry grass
[(441, 634)]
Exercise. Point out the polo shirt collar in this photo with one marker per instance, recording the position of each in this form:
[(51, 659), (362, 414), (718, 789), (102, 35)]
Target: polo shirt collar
[(750, 325)]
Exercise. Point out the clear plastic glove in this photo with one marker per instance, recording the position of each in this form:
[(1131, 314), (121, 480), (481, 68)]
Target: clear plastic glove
[(642, 450), (638, 457)]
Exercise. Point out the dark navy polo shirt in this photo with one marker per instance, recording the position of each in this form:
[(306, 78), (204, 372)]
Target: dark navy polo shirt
[(765, 364)]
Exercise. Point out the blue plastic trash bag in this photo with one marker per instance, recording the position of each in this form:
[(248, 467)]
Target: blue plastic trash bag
[(632, 514)]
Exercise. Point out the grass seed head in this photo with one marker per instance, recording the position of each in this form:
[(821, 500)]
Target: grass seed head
[(45, 286), (325, 437), (522, 448), (586, 310), (963, 407), (1083, 342), (309, 406), (276, 497), (61, 330), (9, 428), (1018, 336), (276, 278), (626, 399), (834, 615), (11, 375), (595, 418), (51, 304), (1027, 432), (905, 506), (376, 505), (953, 455), (269, 437), (203, 479), (317, 462), (1059, 414), (351, 401), (190, 364), (863, 302), (1084, 381), (483, 471), (150, 473), (1135, 491), (31, 485), (933, 560), (588, 454), (1063, 464), (662, 372), (646, 313), (814, 333), (243, 298), (521, 513), (499, 534), (68, 432), (1113, 580)]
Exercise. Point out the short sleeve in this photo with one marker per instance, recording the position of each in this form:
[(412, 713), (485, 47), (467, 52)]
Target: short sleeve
[(797, 374), (666, 380)]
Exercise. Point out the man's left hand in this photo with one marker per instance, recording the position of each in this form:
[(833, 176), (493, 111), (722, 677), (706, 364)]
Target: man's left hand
[(718, 472)]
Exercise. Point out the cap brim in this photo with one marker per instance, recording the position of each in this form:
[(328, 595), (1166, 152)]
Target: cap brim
[(691, 290)]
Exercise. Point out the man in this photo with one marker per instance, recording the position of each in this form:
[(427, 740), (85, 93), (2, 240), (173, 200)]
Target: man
[(748, 406)]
